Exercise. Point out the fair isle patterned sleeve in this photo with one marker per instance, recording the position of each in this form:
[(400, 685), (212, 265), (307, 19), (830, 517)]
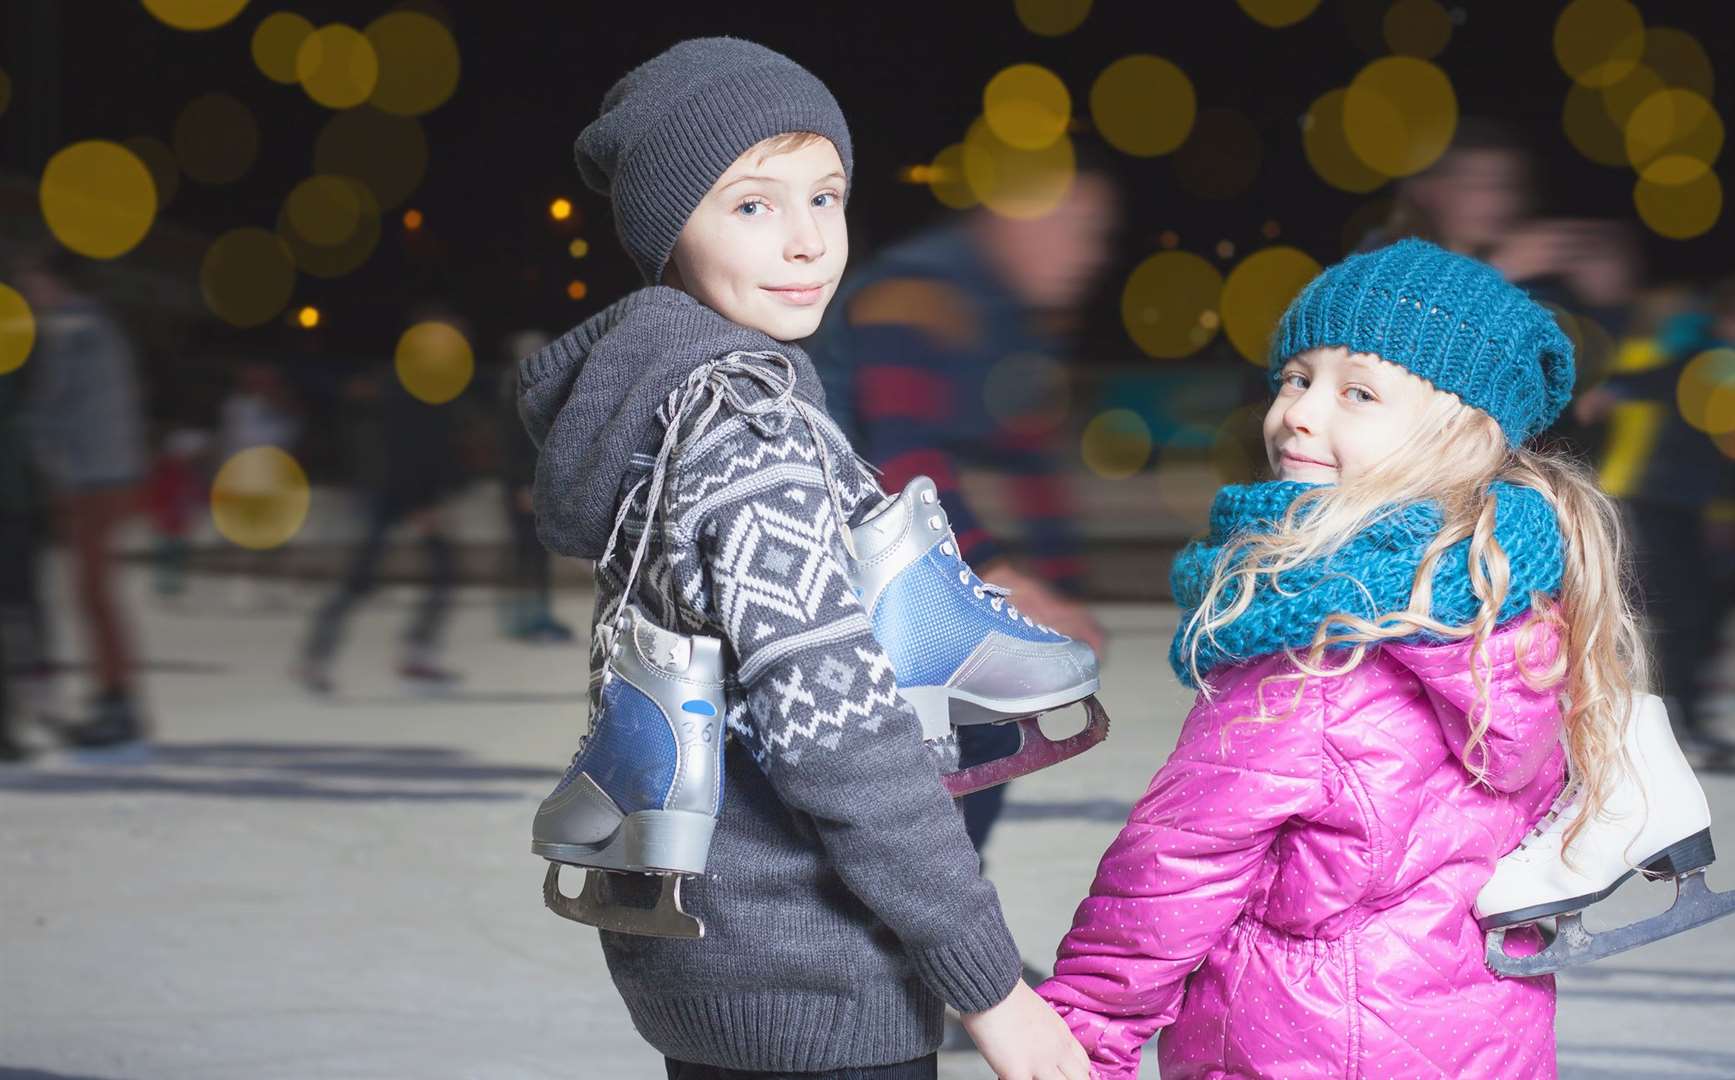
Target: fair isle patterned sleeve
[(820, 710)]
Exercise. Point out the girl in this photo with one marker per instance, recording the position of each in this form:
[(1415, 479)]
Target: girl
[(1380, 639)]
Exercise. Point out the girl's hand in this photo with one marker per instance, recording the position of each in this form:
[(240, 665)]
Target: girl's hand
[(1023, 1039)]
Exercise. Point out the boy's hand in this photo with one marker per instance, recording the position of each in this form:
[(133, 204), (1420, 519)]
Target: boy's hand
[(1023, 1039)]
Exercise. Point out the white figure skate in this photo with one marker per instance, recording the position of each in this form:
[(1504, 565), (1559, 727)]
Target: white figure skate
[(1655, 822), (962, 654)]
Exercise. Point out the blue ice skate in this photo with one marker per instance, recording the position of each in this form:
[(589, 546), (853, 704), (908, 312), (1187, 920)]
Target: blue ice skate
[(643, 791), (961, 652)]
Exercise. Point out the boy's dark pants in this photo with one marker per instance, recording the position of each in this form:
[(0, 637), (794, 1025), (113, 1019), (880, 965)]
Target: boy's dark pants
[(926, 1068)]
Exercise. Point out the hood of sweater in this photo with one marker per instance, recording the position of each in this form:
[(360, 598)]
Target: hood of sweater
[(590, 401)]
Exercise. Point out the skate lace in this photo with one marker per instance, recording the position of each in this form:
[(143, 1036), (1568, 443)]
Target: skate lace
[(1562, 803), (995, 595)]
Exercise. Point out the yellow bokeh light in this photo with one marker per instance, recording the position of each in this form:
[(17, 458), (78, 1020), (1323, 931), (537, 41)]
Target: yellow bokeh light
[(389, 154), (579, 248), (216, 139), (560, 209), (418, 63), (247, 276), (1419, 28), (307, 318), (160, 160), (1027, 106), (276, 43), (1051, 18), (17, 330), (1014, 183), (1164, 301), (1256, 293), (1116, 444), (1238, 446), (1676, 129), (1278, 13), (1680, 211), (412, 219), (434, 362), (1680, 59), (1598, 42), (195, 14), (577, 290), (1706, 391), (1399, 115), (1328, 150), (945, 179), (337, 67), (1594, 119), (98, 198), (325, 207), (1143, 105), (259, 498)]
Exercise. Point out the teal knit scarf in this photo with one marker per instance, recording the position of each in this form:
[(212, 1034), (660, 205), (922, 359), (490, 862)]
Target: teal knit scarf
[(1369, 576)]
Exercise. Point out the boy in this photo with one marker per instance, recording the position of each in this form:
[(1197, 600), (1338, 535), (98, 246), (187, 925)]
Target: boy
[(843, 903)]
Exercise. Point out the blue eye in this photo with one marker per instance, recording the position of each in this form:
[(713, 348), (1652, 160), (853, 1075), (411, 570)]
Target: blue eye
[(825, 199), (1359, 394), (752, 208), (1295, 379)]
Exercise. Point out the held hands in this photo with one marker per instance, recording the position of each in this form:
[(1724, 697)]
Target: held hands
[(1023, 1039)]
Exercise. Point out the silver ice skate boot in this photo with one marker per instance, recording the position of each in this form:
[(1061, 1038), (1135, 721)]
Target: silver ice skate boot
[(643, 791), (1655, 822), (961, 653)]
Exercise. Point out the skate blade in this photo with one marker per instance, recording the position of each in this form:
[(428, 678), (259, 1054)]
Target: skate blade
[(1696, 904), (594, 906), (1035, 751)]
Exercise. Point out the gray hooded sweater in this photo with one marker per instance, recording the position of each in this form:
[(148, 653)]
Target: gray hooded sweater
[(842, 902)]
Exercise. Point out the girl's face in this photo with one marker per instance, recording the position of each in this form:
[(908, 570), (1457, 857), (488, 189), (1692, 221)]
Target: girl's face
[(768, 244), (1338, 414)]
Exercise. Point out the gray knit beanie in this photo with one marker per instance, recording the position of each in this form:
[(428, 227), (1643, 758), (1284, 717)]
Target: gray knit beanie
[(671, 126)]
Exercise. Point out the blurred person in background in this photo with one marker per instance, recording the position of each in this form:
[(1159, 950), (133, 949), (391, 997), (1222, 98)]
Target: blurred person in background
[(1669, 475), (21, 651), (940, 354), (527, 609), (173, 498), (412, 463), (86, 429), (261, 410)]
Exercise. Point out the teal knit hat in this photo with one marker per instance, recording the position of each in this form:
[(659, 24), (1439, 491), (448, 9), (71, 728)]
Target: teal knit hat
[(1450, 319)]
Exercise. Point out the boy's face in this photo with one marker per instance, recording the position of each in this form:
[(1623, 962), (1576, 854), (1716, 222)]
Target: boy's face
[(767, 245), (1338, 414)]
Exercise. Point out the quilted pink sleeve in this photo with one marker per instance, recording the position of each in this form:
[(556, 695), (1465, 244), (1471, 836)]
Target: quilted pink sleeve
[(1523, 725), (1180, 872)]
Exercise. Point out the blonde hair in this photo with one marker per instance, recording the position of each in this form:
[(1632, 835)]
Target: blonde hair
[(786, 143), (1451, 460)]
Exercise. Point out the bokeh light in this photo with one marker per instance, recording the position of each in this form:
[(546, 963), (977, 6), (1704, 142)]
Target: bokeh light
[(259, 498), (307, 318), (17, 330), (946, 179), (1680, 211), (389, 154), (1221, 158), (1673, 137), (1028, 394), (1328, 150), (1051, 18), (560, 209), (577, 290), (276, 43), (1017, 183), (1278, 13), (412, 219), (1593, 348), (98, 198), (1419, 28), (1399, 115), (418, 63), (1026, 106), (331, 224), (1143, 105), (1595, 117), (1257, 291), (1680, 60), (1597, 42), (1706, 391), (216, 139), (434, 362), (1238, 446), (337, 66), (195, 14), (247, 276), (1116, 444), (1166, 301), (160, 160), (579, 248)]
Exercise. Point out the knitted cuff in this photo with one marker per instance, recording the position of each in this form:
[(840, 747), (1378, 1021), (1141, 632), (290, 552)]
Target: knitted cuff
[(974, 970)]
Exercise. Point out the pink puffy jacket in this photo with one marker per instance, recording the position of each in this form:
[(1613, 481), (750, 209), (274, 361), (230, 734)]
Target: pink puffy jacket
[(1292, 899)]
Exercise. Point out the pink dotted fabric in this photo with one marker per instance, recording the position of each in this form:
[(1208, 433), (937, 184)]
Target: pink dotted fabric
[(1293, 899)]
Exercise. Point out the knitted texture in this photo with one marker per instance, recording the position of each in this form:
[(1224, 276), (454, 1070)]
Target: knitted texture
[(674, 124), (1368, 577), (1450, 319)]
